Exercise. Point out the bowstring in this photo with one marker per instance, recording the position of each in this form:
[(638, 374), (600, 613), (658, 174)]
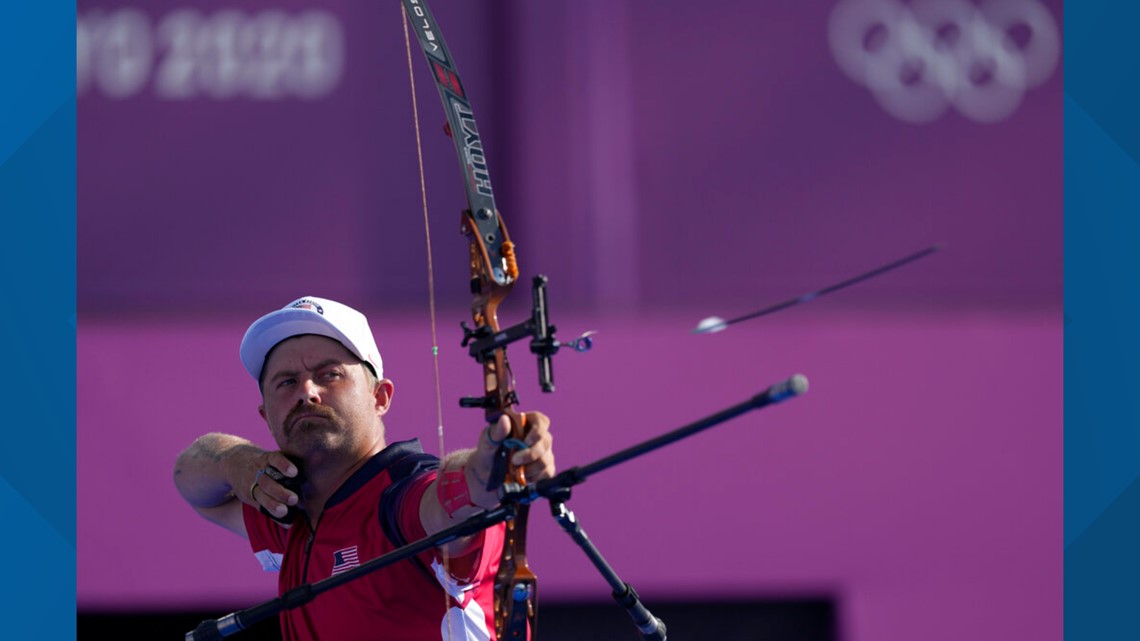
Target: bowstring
[(431, 296)]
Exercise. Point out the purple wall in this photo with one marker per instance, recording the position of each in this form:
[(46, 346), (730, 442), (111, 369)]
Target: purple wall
[(919, 476), (662, 162), (644, 157)]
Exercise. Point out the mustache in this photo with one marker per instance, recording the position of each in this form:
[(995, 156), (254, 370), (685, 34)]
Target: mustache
[(307, 409)]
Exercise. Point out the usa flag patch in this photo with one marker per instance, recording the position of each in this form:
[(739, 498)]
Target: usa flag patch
[(344, 560)]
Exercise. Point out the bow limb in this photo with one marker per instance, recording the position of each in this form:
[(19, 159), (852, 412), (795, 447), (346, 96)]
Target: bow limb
[(494, 271)]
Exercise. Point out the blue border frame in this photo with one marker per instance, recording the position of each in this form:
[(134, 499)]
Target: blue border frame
[(37, 201), (1102, 320)]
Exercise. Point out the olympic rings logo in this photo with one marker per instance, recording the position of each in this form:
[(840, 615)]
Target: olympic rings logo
[(921, 58)]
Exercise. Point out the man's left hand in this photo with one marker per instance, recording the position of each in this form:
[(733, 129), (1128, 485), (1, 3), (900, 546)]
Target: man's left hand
[(536, 458)]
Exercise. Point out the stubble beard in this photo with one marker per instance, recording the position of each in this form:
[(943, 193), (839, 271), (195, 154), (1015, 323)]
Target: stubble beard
[(312, 433), (327, 436)]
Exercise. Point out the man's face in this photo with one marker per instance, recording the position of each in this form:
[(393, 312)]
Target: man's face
[(318, 398)]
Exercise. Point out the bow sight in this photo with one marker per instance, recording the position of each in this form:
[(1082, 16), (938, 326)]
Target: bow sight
[(481, 343)]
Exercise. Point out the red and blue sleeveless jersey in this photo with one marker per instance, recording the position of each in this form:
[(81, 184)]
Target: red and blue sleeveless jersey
[(373, 513)]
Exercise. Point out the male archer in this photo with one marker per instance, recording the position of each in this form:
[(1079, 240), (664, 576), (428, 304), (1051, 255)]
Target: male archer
[(334, 493)]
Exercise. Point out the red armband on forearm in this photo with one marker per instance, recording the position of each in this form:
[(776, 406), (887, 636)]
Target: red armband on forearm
[(452, 492)]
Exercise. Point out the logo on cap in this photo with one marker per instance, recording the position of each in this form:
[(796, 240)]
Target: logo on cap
[(305, 303)]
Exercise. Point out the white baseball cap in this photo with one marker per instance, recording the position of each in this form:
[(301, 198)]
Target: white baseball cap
[(310, 315)]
